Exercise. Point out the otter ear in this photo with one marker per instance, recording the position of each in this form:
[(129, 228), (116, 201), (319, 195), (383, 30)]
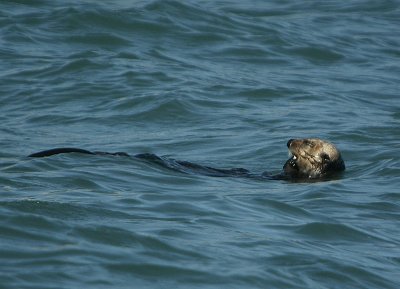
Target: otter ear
[(325, 157)]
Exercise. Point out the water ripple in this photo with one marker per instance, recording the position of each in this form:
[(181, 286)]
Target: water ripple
[(219, 83)]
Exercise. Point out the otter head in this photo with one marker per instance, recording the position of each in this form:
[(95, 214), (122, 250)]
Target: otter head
[(312, 158)]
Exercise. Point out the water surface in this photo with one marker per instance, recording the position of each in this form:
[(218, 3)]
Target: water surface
[(219, 83)]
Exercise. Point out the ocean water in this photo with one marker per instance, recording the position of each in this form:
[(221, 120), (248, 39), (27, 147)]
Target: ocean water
[(219, 83)]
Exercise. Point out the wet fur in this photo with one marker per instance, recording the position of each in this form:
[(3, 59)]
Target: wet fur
[(312, 159)]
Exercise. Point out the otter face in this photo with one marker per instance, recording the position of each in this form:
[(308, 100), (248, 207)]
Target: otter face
[(312, 158)]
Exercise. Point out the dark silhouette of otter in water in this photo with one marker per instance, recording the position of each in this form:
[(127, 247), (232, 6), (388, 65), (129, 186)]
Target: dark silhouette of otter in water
[(310, 159)]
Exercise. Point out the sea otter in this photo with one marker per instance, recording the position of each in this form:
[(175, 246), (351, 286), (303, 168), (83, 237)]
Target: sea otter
[(310, 159)]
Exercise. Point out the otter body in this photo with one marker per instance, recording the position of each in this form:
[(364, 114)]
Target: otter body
[(310, 159)]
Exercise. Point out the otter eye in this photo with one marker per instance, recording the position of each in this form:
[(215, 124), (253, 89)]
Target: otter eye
[(309, 143), (325, 157)]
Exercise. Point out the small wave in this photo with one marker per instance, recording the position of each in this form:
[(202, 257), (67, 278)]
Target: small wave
[(157, 109), (334, 232), (176, 274), (100, 39), (316, 54)]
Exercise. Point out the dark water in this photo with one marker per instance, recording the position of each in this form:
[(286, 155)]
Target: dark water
[(220, 83)]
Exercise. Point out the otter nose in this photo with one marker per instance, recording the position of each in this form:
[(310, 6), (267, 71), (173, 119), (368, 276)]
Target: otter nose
[(289, 142)]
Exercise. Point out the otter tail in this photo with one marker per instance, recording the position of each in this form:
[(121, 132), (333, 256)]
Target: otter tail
[(57, 151)]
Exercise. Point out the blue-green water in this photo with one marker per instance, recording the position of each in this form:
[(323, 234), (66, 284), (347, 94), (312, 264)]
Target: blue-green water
[(219, 83)]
